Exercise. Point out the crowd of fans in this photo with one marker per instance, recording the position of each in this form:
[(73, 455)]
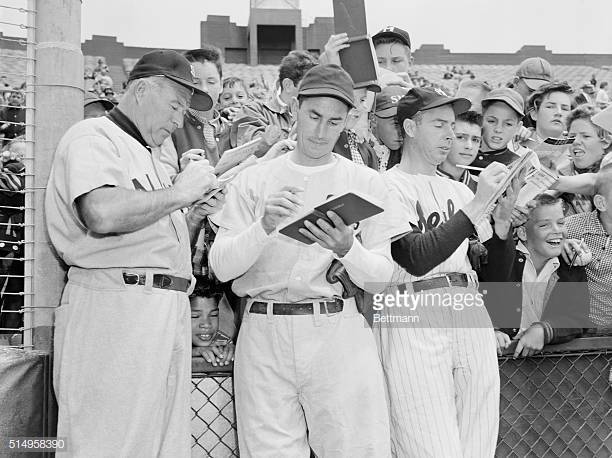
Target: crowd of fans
[(561, 236)]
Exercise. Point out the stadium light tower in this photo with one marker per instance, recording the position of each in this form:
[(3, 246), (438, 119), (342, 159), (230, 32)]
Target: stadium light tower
[(276, 4)]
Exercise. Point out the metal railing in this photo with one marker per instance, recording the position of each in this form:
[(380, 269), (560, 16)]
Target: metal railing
[(16, 194)]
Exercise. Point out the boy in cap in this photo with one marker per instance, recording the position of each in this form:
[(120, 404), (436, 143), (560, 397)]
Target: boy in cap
[(502, 110), (387, 142), (532, 73), (306, 369), (441, 370), (393, 51)]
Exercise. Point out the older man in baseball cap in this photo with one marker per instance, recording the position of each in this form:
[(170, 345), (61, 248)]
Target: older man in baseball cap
[(454, 394), (122, 352), (306, 369)]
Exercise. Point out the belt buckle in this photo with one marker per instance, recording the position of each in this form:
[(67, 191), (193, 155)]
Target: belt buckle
[(165, 281), (448, 280), (130, 279)]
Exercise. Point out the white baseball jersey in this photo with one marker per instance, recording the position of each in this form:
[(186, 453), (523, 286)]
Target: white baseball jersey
[(95, 153)]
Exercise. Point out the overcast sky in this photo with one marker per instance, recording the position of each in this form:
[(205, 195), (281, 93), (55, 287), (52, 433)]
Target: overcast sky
[(563, 26)]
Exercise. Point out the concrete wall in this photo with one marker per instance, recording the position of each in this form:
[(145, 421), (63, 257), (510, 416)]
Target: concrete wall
[(218, 30)]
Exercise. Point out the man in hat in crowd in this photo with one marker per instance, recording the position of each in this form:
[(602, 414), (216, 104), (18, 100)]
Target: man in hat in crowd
[(306, 366), (441, 369), (394, 54), (94, 106), (122, 352), (587, 94), (532, 73)]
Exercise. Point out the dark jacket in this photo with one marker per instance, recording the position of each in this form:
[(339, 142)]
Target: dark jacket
[(190, 136), (566, 307), (504, 156)]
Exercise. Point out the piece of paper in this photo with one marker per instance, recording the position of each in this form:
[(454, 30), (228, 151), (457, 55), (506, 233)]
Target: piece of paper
[(232, 157), (538, 182)]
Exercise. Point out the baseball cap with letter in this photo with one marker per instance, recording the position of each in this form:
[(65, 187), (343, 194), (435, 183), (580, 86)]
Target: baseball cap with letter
[(393, 32), (421, 99), (509, 96), (535, 71), (387, 101), (329, 80), (175, 67)]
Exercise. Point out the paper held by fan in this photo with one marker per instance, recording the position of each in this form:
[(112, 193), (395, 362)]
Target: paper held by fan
[(232, 157), (538, 182), (525, 161)]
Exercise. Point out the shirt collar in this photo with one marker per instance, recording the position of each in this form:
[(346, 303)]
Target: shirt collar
[(126, 124), (552, 264), (465, 177), (276, 105)]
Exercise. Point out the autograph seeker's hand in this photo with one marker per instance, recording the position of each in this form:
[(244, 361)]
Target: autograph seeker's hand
[(573, 246), (337, 238), (531, 342), (503, 341), (332, 48), (281, 205), (218, 356)]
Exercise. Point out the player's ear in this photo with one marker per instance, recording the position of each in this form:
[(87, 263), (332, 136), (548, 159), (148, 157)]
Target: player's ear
[(409, 127), (294, 105), (600, 202)]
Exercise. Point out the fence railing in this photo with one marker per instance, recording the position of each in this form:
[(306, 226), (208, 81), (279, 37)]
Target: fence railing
[(555, 404), (16, 178)]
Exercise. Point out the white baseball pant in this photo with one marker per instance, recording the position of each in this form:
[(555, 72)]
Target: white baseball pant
[(122, 367), (309, 379), (442, 380)]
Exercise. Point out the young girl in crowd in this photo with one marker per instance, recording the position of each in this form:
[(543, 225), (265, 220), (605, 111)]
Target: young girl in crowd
[(586, 153)]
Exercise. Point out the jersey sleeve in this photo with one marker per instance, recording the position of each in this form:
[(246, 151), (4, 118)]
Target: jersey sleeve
[(91, 162)]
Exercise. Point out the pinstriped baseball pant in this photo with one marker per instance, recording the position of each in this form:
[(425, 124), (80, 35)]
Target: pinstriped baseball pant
[(442, 381)]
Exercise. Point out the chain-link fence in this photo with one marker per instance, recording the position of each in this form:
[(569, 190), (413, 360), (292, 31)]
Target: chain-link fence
[(557, 404), (16, 178), (213, 421)]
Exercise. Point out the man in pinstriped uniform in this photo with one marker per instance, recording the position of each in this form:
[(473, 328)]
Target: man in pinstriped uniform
[(440, 367)]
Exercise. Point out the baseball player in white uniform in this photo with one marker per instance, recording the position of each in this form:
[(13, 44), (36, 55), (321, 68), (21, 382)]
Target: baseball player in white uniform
[(122, 351), (306, 369), (438, 348)]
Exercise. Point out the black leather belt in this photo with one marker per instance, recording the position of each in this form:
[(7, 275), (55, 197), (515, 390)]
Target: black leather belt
[(443, 281), (161, 281), (305, 308)]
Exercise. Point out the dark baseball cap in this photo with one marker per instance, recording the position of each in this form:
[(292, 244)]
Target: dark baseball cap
[(93, 98), (394, 32), (509, 96), (421, 99), (535, 71), (175, 67), (387, 101), (329, 80)]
